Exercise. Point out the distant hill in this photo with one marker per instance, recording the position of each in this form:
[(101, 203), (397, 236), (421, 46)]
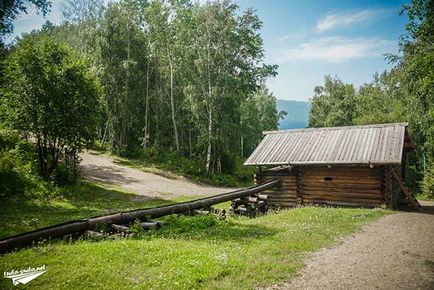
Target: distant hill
[(298, 114)]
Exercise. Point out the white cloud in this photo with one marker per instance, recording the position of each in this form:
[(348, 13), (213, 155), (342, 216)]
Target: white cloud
[(291, 36), (344, 19), (337, 49)]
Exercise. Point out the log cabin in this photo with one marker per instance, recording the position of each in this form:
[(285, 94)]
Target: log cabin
[(362, 166)]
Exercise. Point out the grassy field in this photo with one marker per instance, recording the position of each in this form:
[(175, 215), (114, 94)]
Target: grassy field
[(188, 252)]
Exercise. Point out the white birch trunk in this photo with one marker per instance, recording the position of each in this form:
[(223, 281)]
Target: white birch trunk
[(172, 105)]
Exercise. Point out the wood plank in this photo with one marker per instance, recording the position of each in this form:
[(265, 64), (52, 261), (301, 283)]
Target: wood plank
[(343, 189), (341, 203), (341, 184), (355, 201), (342, 173), (283, 204), (343, 195), (413, 201)]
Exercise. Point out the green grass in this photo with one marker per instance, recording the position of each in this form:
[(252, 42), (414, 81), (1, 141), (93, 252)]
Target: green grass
[(425, 197), (187, 253), (20, 214)]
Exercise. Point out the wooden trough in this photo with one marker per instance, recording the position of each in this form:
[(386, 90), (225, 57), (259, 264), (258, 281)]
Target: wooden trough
[(123, 218)]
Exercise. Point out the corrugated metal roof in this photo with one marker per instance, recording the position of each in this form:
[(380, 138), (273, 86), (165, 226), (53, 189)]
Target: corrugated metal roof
[(370, 144)]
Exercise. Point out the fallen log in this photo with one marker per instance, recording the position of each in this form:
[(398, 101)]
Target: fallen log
[(79, 226)]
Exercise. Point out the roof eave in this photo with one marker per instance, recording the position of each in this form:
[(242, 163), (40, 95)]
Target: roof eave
[(304, 163)]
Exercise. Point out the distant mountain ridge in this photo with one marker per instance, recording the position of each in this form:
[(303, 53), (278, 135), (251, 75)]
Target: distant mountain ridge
[(298, 114)]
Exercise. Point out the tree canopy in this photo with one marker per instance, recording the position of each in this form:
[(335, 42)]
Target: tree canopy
[(175, 75), (52, 95)]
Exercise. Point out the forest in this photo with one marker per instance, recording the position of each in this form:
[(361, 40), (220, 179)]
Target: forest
[(167, 81)]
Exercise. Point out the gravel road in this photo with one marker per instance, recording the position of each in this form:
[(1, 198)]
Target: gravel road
[(395, 252), (102, 169)]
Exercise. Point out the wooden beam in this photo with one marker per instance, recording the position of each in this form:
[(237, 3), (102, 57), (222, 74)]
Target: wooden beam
[(410, 196), (388, 186)]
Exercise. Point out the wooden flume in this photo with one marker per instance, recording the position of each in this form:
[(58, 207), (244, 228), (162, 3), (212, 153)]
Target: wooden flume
[(123, 218)]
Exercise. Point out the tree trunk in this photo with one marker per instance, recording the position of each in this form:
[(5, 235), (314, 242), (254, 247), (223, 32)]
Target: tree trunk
[(242, 147), (41, 157), (172, 105), (208, 154), (145, 139), (189, 143)]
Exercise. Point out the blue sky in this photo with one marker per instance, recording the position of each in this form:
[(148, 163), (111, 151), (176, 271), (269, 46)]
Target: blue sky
[(309, 39)]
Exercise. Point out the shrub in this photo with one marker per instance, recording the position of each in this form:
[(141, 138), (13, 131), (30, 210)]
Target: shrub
[(11, 181), (19, 171), (189, 224), (64, 175), (136, 229), (428, 182)]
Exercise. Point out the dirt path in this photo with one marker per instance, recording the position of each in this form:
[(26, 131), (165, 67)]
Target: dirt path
[(102, 169), (395, 252)]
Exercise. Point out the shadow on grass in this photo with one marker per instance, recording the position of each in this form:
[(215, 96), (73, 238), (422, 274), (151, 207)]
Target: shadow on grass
[(21, 214), (106, 174), (137, 164)]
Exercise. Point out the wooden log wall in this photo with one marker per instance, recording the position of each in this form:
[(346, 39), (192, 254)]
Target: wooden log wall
[(343, 186), (286, 194), (348, 186)]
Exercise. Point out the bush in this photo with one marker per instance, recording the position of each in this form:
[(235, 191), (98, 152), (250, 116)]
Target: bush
[(428, 182), (15, 162), (64, 175), (189, 224), (11, 181), (19, 169)]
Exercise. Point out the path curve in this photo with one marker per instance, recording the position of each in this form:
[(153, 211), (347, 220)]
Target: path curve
[(395, 252), (102, 169)]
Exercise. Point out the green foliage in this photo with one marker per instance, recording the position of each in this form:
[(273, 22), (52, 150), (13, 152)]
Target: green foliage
[(136, 229), (237, 175), (428, 182), (333, 104), (182, 224), (258, 114), (381, 101), (15, 164), (19, 177), (163, 90), (11, 181), (51, 94)]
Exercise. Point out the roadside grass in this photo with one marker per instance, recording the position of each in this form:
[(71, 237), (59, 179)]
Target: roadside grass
[(188, 252), (22, 213), (425, 197)]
